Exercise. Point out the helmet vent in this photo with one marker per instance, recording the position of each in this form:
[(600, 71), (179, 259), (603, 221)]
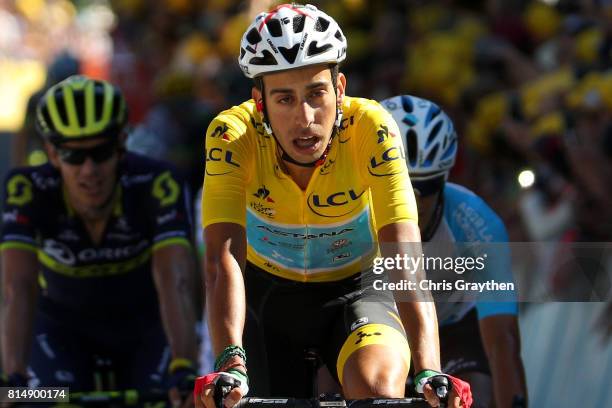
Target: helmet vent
[(274, 27), (290, 53), (314, 49), (61, 106), (242, 52), (98, 104), (407, 104), (298, 23), (338, 35), (253, 37), (79, 104), (433, 133), (411, 142), (431, 156), (266, 59), (322, 24), (450, 151)]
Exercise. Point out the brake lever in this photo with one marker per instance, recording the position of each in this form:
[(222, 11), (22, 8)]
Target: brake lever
[(442, 388), (224, 384)]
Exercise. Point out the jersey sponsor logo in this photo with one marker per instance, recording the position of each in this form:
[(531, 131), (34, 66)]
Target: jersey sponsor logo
[(288, 245), (262, 209), (340, 257), (474, 226), (122, 225), (327, 166), (216, 154), (165, 218), (327, 206), (68, 235), (221, 132), (338, 245), (300, 235), (166, 189), (383, 133), (264, 194), (127, 180), (65, 255), (270, 265), (59, 251), (44, 182), (19, 190), (359, 322), (344, 124), (391, 154), (362, 334), (14, 216)]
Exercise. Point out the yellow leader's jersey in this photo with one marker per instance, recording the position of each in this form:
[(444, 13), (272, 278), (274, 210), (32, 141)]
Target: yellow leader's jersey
[(328, 231)]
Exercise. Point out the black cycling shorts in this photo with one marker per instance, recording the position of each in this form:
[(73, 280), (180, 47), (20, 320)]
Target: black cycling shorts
[(461, 348), (286, 318), (84, 355)]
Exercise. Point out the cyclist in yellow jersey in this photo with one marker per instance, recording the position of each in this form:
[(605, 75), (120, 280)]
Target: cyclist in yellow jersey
[(302, 184)]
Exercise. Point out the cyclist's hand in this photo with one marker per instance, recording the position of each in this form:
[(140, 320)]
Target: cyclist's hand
[(458, 391), (180, 383), (220, 389)]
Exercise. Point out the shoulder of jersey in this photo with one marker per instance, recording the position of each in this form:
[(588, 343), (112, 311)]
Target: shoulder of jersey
[(239, 117), (361, 106), (139, 169), (43, 177), (456, 194)]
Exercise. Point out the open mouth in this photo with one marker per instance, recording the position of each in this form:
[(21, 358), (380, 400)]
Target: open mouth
[(309, 143)]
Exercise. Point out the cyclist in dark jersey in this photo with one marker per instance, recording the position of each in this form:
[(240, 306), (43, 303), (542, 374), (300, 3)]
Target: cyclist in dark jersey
[(96, 253)]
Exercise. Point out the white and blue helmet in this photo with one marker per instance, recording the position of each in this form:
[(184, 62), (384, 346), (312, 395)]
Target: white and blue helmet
[(428, 135)]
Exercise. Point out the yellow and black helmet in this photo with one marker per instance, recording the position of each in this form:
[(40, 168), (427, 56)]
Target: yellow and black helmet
[(80, 108)]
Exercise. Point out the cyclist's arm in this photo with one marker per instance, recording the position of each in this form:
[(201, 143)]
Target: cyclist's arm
[(502, 344), (224, 261), (19, 293), (418, 316), (173, 271)]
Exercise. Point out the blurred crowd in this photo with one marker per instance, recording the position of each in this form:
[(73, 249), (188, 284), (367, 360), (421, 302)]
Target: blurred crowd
[(528, 84)]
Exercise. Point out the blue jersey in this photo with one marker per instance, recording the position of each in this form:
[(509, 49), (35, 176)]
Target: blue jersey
[(467, 219), (92, 282)]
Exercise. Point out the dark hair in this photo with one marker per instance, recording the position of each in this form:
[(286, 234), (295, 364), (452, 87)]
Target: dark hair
[(333, 68)]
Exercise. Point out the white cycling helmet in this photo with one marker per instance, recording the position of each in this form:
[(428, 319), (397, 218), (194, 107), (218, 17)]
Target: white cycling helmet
[(428, 135), (290, 36)]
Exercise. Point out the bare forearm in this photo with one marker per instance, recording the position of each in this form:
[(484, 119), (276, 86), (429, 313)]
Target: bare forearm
[(502, 343), (416, 307), (421, 326), (508, 375), (225, 304), (17, 322), (173, 272)]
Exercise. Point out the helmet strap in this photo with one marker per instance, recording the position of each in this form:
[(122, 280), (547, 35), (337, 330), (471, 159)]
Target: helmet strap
[(432, 226)]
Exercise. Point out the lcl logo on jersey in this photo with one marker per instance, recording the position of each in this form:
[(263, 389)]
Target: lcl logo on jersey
[(327, 206), (216, 154), (391, 154)]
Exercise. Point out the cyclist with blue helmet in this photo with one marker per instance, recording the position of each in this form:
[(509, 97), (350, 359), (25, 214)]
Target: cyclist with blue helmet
[(479, 339)]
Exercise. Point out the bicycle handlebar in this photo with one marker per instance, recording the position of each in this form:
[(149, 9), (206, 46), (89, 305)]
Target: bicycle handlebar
[(254, 402)]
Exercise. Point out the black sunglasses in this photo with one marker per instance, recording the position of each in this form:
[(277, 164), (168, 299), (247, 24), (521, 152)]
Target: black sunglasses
[(99, 154), (426, 188)]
